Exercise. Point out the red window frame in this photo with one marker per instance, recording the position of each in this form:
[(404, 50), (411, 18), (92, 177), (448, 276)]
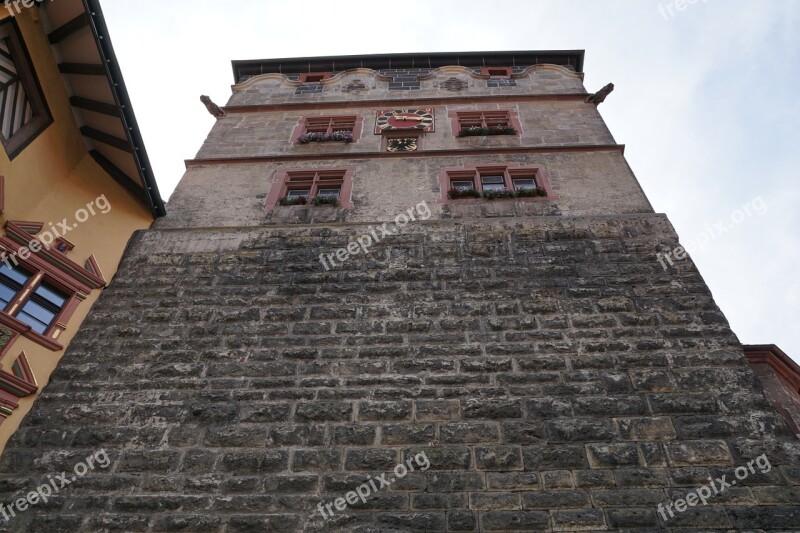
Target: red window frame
[(509, 172), (42, 264), (484, 118), (352, 123), (311, 179), (314, 77), (497, 72)]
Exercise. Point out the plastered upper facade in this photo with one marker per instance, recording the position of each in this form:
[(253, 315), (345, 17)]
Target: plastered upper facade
[(559, 132)]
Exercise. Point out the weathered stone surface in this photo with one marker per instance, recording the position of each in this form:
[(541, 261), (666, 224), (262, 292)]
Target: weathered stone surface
[(527, 388)]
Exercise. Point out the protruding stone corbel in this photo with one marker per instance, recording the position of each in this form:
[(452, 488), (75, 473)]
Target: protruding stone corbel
[(213, 108), (600, 96)]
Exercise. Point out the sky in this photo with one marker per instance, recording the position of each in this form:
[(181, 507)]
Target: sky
[(706, 102)]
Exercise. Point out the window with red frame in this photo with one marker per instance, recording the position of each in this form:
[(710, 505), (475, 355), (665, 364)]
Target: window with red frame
[(29, 298), (483, 119), (301, 187), (493, 179), (328, 125), (471, 123)]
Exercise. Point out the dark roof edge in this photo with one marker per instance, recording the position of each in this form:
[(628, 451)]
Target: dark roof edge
[(573, 58), (114, 73)]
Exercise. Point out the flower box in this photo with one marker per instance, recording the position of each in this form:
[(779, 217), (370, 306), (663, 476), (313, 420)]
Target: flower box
[(478, 131), (325, 200), (499, 195), (531, 193), (455, 194), (316, 137), (300, 200)]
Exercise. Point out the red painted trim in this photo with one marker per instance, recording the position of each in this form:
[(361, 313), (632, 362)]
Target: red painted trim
[(16, 242), (33, 263), (495, 72), (279, 187), (473, 172), (457, 116), (26, 331), (320, 75), (300, 128), (92, 266), (71, 270), (21, 387), (773, 356)]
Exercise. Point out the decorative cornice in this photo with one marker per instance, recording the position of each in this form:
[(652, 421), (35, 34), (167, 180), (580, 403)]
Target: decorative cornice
[(419, 102), (573, 59), (18, 383), (506, 150), (20, 233), (450, 69)]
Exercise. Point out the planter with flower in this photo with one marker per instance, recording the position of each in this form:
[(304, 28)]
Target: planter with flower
[(531, 193), (325, 200), (298, 200), (318, 137), (499, 195), (479, 131), (455, 194)]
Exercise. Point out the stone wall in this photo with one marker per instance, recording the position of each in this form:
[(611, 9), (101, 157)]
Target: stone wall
[(365, 84), (233, 194), (555, 376), (544, 124)]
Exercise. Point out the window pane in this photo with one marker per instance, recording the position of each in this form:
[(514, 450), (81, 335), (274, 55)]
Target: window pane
[(524, 183), (493, 183), (6, 295), (460, 185), (329, 192), (36, 316), (297, 193), (52, 295), (14, 273)]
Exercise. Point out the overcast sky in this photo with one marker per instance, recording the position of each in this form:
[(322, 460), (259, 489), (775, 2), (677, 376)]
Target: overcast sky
[(706, 102)]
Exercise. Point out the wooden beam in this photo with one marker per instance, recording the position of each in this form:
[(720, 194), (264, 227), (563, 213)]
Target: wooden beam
[(119, 176), (87, 69), (93, 105), (106, 138), (73, 26)]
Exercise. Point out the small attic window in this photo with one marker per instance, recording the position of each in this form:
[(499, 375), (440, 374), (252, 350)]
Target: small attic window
[(313, 77), (497, 72), (23, 110)]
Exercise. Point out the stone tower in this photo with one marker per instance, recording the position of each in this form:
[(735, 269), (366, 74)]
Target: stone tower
[(405, 293)]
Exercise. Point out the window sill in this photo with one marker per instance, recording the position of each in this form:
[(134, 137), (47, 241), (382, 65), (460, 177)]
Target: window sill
[(498, 200), (25, 331)]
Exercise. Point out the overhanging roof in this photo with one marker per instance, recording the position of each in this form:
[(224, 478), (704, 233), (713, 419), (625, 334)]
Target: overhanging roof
[(244, 69), (80, 40)]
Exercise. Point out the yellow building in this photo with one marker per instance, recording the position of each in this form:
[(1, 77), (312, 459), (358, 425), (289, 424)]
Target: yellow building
[(75, 184)]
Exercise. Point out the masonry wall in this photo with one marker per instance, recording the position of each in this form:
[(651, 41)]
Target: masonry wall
[(555, 376)]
